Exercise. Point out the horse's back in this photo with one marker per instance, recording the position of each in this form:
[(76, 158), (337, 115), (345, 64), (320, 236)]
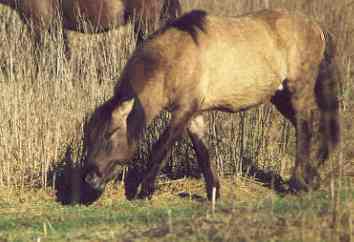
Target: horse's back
[(228, 63), (244, 60)]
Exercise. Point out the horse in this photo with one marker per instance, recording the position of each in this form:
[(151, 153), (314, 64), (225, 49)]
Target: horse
[(92, 16), (199, 63)]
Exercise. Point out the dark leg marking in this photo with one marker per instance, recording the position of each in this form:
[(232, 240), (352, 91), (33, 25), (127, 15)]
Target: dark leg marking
[(197, 131), (160, 148), (132, 181)]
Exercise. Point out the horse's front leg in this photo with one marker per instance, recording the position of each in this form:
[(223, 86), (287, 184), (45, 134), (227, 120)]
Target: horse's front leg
[(198, 132), (132, 180), (159, 150)]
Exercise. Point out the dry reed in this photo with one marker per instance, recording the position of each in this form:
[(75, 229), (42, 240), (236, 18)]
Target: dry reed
[(43, 113)]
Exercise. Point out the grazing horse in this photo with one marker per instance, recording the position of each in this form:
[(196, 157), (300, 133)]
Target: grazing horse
[(199, 63), (99, 15)]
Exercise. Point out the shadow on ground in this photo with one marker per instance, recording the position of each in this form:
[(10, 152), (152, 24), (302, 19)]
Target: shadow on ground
[(70, 187), (194, 197), (269, 178), (67, 179)]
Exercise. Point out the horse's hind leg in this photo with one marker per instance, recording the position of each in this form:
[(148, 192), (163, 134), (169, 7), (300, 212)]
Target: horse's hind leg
[(305, 175), (197, 131), (298, 106), (175, 128)]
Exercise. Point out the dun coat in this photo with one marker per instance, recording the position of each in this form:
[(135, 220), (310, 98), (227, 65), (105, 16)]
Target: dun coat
[(99, 15), (199, 63)]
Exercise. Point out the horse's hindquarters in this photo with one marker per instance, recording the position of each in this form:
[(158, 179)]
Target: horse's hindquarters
[(241, 69)]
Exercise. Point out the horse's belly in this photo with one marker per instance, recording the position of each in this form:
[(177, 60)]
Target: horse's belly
[(42, 13), (239, 97), (98, 14)]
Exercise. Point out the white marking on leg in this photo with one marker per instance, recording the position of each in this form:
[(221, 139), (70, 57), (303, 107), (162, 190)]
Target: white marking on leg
[(213, 199)]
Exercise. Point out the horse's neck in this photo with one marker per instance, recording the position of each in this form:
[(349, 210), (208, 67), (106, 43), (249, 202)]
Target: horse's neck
[(137, 122), (145, 109)]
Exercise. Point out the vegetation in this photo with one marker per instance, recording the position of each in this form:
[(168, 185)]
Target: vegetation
[(43, 108), (247, 213)]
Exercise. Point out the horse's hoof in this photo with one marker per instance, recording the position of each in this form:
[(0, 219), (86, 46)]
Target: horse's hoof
[(131, 192), (130, 196), (144, 195)]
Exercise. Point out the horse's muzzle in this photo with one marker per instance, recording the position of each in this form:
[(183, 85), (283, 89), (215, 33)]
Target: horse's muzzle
[(95, 181)]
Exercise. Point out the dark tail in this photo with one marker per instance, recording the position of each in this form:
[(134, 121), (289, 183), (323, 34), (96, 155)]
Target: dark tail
[(327, 89)]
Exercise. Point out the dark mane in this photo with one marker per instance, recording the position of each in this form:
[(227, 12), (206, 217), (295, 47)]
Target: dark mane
[(123, 90), (192, 23), (102, 112)]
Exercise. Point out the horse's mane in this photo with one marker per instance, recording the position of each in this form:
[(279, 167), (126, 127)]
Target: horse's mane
[(192, 23)]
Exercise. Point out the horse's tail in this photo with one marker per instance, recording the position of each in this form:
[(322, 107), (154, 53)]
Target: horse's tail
[(327, 89)]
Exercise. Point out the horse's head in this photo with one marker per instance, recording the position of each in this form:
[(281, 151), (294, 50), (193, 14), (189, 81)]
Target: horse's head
[(106, 143)]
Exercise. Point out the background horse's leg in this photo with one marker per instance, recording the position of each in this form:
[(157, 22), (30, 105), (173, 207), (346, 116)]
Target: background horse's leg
[(37, 39), (139, 34), (66, 47), (197, 131), (175, 128), (171, 9)]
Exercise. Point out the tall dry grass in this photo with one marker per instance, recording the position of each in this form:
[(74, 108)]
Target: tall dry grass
[(42, 112)]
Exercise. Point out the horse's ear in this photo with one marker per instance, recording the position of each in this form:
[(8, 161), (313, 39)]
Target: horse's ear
[(122, 112)]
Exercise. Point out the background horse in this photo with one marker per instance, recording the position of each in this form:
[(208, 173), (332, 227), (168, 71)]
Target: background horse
[(98, 15), (200, 63)]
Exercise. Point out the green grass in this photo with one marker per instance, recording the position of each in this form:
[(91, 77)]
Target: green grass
[(41, 128), (30, 216), (53, 222)]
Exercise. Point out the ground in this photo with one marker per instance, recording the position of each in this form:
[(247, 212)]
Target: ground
[(45, 100), (179, 211)]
